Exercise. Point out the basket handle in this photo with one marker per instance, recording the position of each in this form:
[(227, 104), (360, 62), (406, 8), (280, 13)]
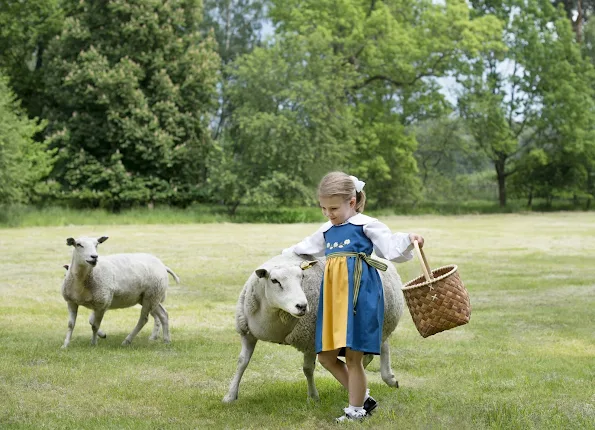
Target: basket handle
[(425, 267)]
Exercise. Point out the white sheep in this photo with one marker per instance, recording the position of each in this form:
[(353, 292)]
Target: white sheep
[(278, 304), (101, 333), (113, 282)]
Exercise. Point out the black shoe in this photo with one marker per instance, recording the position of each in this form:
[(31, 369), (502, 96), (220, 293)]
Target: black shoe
[(370, 404)]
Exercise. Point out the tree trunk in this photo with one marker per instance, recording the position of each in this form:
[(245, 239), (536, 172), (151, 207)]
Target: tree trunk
[(578, 23), (501, 175), (530, 200)]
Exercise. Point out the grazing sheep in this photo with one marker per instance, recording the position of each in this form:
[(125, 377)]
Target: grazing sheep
[(278, 304), (113, 282)]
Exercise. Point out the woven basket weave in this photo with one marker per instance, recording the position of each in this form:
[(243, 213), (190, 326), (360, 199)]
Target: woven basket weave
[(437, 300)]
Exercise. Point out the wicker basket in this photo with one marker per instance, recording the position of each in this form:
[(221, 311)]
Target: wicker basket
[(437, 300)]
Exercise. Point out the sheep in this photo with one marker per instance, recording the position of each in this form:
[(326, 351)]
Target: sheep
[(113, 282), (278, 303), (101, 333)]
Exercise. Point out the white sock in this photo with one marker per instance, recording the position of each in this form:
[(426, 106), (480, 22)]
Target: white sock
[(367, 394), (356, 408)]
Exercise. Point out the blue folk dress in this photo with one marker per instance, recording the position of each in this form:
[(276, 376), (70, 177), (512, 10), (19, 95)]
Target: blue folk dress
[(339, 324)]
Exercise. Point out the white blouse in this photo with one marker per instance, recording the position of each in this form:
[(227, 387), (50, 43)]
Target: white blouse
[(395, 247)]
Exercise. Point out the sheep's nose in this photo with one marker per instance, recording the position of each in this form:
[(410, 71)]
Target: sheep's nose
[(94, 256), (302, 308)]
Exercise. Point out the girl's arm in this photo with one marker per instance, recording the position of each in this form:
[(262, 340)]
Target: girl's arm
[(395, 247), (314, 245)]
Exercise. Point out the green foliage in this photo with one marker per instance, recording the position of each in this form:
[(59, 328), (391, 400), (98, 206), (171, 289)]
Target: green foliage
[(449, 166), (335, 89), (23, 161), (131, 87), (544, 102), (290, 122), (30, 216), (26, 28)]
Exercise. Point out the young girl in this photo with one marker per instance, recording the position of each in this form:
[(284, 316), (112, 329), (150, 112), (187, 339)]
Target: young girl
[(351, 305)]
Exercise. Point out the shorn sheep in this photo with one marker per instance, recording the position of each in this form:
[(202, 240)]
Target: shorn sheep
[(101, 333), (114, 282), (278, 304)]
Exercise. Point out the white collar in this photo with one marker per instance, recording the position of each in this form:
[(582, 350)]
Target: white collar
[(357, 219)]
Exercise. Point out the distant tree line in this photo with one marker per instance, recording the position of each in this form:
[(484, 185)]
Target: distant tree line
[(121, 103)]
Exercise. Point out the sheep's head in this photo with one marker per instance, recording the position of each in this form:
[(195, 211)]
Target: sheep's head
[(85, 249), (284, 288)]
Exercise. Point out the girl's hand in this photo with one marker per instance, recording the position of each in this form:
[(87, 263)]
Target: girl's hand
[(420, 239)]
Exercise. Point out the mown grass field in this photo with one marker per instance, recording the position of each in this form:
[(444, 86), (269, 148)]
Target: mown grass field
[(525, 361)]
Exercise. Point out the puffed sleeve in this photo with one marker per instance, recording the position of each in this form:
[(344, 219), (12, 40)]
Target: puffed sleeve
[(314, 245), (392, 246)]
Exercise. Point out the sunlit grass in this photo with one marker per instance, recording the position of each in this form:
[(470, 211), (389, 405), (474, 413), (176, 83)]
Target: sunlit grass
[(525, 361)]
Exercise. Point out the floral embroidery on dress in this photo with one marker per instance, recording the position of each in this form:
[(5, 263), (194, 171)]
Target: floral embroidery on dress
[(337, 244)]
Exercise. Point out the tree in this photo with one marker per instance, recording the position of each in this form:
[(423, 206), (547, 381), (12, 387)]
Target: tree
[(565, 132), (236, 25), (290, 123), (446, 156), (26, 28), (578, 12), (386, 57), (23, 161), (131, 90), (515, 100)]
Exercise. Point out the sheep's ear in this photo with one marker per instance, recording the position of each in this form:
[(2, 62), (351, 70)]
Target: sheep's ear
[(66, 266), (70, 241), (262, 273), (307, 264), (102, 239)]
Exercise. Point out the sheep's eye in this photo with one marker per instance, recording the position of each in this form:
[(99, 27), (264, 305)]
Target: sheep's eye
[(79, 245), (274, 281)]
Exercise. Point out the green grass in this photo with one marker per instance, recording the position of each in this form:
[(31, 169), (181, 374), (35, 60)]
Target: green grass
[(31, 216), (525, 361)]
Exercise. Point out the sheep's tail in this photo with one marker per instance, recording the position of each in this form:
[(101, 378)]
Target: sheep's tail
[(171, 272)]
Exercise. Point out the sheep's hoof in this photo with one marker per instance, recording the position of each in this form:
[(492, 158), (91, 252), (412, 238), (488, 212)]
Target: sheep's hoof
[(101, 334), (126, 342), (392, 381), (64, 346), (153, 337)]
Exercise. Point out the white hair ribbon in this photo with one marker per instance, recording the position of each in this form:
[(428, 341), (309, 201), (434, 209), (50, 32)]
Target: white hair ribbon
[(359, 185)]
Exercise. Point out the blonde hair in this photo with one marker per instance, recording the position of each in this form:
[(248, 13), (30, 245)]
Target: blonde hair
[(340, 184)]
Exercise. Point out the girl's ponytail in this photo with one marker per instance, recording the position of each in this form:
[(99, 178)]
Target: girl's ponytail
[(360, 201)]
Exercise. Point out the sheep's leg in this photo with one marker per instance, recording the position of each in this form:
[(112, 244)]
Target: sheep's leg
[(156, 326), (160, 314), (385, 371), (248, 345), (72, 311), (100, 333), (368, 359), (98, 317), (144, 317), (309, 366)]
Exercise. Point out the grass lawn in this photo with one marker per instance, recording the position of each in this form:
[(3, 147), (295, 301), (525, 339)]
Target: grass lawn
[(525, 361)]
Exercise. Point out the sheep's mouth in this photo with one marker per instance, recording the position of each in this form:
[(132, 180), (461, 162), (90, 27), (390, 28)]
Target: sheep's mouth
[(299, 314), (92, 262)]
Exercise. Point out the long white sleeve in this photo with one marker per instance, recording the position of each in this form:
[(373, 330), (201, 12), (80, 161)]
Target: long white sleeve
[(395, 247), (314, 245)]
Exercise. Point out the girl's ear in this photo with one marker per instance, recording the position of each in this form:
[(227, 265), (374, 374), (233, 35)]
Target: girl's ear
[(352, 202)]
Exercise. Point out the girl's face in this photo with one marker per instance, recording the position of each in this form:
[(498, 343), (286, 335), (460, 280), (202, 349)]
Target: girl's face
[(337, 209)]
